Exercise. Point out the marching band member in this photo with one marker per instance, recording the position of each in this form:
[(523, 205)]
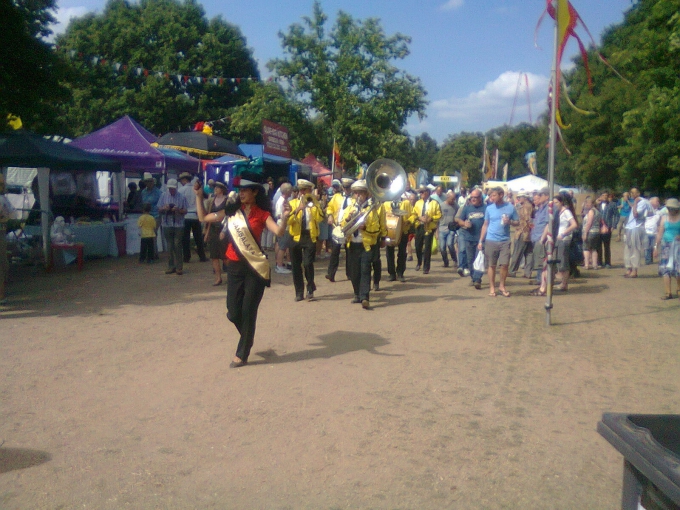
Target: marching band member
[(363, 244), (398, 272), (303, 225), (426, 213), (376, 265), (335, 212), (248, 271)]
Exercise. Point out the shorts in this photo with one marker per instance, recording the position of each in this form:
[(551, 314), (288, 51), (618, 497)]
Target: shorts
[(497, 253), (285, 241)]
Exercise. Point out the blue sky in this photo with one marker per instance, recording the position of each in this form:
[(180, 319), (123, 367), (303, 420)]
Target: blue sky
[(467, 53)]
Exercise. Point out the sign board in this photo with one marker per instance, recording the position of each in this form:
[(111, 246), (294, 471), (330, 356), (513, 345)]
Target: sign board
[(275, 139), (445, 179)]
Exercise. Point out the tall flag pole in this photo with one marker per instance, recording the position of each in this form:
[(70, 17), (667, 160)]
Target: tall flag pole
[(333, 159), (561, 4)]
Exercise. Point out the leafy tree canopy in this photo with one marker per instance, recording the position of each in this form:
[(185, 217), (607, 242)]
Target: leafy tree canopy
[(346, 78), (634, 137), (166, 36), (29, 70)]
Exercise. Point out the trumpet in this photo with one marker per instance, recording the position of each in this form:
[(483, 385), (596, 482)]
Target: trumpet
[(385, 180)]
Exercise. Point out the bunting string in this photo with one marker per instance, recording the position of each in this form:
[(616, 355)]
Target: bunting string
[(177, 78)]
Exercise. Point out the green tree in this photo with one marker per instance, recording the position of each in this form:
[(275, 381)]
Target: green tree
[(425, 151), (169, 38), (29, 69), (634, 135), (269, 102), (346, 79), (462, 153)]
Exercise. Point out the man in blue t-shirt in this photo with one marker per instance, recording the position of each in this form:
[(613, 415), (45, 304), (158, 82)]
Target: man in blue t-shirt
[(471, 220), (498, 217)]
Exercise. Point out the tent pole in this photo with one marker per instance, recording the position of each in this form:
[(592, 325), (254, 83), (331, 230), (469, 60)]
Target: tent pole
[(44, 192)]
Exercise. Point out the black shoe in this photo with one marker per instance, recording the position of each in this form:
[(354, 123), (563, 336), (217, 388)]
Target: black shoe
[(478, 285), (299, 297), (392, 278), (401, 278), (418, 267), (310, 296), (376, 286), (446, 264), (330, 278), (460, 272), (356, 300)]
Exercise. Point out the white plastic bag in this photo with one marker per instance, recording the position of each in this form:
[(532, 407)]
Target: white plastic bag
[(479, 262)]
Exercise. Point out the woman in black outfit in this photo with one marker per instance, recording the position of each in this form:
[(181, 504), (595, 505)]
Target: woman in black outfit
[(247, 272)]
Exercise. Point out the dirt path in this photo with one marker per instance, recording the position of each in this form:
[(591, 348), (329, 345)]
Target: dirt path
[(116, 392)]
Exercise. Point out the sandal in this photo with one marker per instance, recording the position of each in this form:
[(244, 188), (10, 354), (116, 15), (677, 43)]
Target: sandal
[(537, 292), (505, 293), (492, 294)]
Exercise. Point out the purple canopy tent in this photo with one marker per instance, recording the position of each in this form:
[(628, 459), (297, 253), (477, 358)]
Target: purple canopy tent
[(130, 143)]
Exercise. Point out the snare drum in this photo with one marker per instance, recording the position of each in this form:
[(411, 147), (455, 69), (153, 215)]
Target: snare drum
[(394, 228)]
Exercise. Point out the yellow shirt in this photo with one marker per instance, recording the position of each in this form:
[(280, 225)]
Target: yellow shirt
[(432, 210), (147, 225), (295, 221), (375, 226), (335, 206)]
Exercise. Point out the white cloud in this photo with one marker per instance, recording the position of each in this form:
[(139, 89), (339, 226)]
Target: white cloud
[(492, 106), (450, 5)]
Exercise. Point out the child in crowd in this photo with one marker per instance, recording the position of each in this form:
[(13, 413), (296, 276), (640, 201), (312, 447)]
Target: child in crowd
[(147, 230)]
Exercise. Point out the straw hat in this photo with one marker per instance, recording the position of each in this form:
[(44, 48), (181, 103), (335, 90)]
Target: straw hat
[(172, 183), (304, 183), (359, 185)]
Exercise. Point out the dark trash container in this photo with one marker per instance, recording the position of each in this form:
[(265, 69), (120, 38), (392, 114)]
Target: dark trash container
[(650, 445), (121, 239)]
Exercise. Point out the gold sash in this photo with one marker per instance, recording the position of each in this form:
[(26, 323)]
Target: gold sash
[(247, 246)]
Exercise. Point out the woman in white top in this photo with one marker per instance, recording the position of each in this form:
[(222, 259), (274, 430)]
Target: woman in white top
[(566, 224)]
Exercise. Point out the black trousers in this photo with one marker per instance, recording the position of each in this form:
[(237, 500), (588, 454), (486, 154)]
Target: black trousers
[(146, 251), (401, 257), (424, 246), (193, 226), (360, 263), (376, 265), (244, 293), (302, 256), (334, 260), (605, 242)]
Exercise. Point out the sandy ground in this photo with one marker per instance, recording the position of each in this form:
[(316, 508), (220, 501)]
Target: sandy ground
[(116, 392)]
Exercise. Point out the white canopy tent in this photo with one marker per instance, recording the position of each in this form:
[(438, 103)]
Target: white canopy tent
[(530, 182)]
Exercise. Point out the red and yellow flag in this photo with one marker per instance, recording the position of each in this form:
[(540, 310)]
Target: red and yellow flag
[(567, 18)]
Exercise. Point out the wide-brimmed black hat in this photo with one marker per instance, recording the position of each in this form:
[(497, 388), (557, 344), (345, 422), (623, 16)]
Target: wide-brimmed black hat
[(249, 180)]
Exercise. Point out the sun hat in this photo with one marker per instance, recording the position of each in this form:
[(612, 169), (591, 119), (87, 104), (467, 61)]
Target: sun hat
[(220, 185), (359, 185), (184, 175), (172, 183), (304, 183), (346, 182), (672, 203), (148, 176), (335, 183)]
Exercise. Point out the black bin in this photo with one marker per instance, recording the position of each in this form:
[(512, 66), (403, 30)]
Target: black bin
[(650, 445)]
